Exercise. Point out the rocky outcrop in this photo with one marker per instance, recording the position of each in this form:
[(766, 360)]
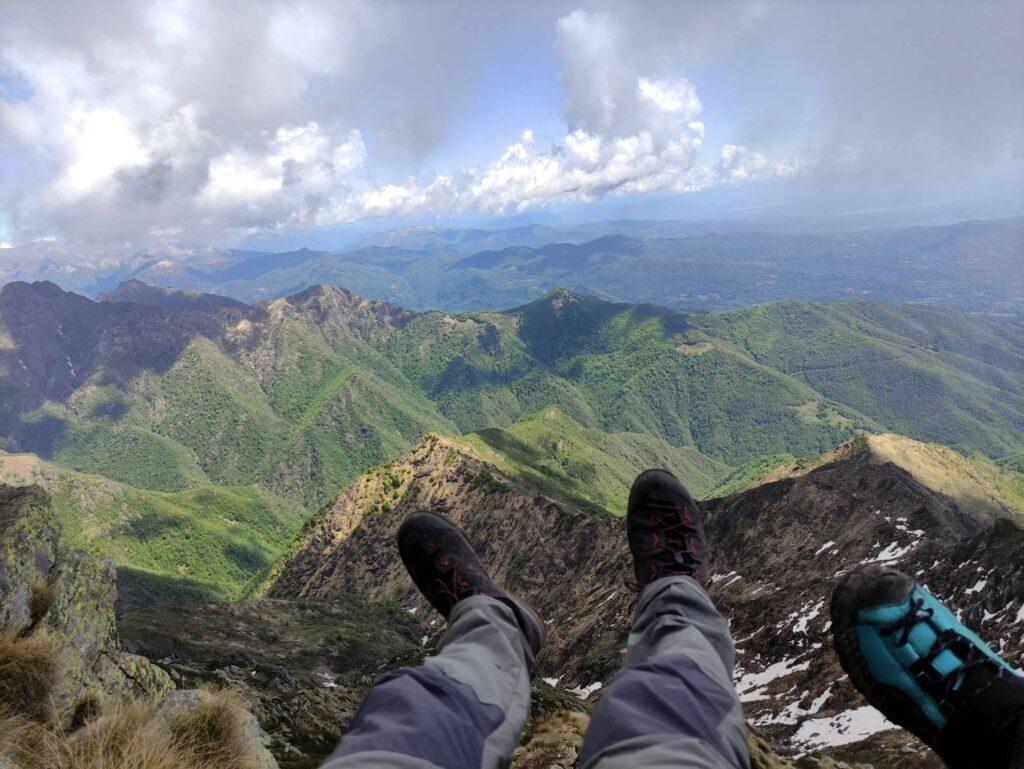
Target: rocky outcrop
[(67, 687), (303, 665), (776, 551), (50, 588)]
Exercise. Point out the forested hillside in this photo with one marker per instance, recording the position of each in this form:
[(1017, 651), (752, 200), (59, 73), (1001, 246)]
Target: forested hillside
[(199, 421)]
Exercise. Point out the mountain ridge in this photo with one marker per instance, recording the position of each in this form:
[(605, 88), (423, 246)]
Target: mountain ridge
[(293, 398), (775, 549)]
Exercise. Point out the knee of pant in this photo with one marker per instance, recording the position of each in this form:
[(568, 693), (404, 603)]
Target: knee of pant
[(667, 695), (422, 713)]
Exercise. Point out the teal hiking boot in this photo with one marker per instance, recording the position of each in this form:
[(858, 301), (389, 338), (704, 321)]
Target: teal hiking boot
[(916, 663)]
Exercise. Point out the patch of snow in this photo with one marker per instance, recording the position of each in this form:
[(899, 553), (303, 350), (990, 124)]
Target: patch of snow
[(744, 640), (585, 691), (907, 530), (551, 681), (1020, 615), (751, 686), (801, 625), (823, 548), (842, 729), (893, 552), (978, 587), (792, 714), (715, 578), (326, 680)]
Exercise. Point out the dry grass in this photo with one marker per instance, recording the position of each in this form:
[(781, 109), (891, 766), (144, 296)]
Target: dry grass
[(25, 742), (210, 733), (552, 741), (207, 735), (29, 666), (39, 603)]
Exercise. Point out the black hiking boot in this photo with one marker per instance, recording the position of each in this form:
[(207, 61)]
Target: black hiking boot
[(914, 661), (664, 529), (446, 570)]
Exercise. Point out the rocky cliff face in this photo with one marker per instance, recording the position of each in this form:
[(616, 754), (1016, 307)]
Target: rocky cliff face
[(776, 551)]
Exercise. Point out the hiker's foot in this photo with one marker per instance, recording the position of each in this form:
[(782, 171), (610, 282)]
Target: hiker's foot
[(664, 529), (446, 570), (914, 661)]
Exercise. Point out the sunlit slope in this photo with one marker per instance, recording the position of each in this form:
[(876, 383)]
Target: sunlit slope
[(197, 544), (934, 375), (587, 467), (979, 486)]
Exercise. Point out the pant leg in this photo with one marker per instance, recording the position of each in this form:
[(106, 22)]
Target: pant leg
[(462, 709), (673, 704)]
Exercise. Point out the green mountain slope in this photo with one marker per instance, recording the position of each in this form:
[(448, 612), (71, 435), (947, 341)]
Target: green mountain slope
[(299, 395), (292, 399), (930, 374), (291, 396), (591, 468), (621, 368), (199, 544)]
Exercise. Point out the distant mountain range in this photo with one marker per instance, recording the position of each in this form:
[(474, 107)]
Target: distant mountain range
[(187, 434), (973, 266)]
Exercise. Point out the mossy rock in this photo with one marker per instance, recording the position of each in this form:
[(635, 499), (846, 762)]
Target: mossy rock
[(29, 537), (68, 596)]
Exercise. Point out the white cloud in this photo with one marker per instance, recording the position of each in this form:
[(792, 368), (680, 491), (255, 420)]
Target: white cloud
[(100, 142), (674, 98), (296, 161), (629, 134), (5, 244), (208, 118)]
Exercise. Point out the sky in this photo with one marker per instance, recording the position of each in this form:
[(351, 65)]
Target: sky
[(223, 122)]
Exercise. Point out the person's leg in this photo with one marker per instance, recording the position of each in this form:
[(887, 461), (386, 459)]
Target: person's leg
[(914, 661), (673, 704), (465, 707)]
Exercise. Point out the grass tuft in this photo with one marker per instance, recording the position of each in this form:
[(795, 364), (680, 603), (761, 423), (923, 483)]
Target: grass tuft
[(209, 733), (29, 667)]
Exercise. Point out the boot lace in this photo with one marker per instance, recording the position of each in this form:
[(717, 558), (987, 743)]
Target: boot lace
[(942, 685), (671, 549)]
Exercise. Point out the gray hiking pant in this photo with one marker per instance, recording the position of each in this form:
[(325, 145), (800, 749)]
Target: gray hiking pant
[(671, 706)]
